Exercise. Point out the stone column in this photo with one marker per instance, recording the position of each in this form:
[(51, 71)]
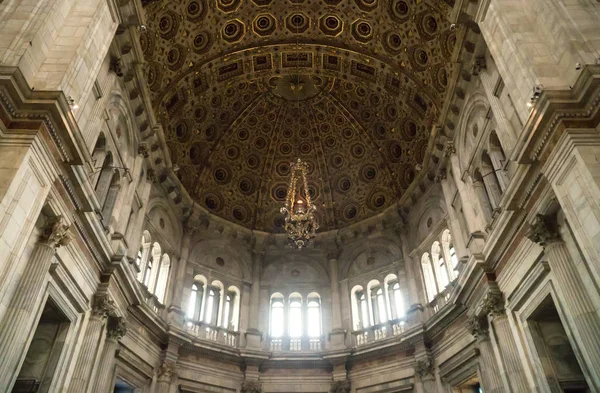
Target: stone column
[(115, 329), (253, 334), (19, 317), (91, 344), (573, 294), (493, 305), (337, 335), (492, 383), (425, 375)]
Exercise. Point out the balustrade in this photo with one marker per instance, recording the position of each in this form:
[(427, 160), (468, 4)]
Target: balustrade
[(379, 332), (296, 344), (216, 334)]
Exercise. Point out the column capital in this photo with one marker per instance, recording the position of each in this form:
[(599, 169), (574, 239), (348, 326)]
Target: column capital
[(116, 328), (544, 230), (424, 367), (251, 387), (340, 386), (493, 304), (167, 371), (102, 306), (478, 327), (56, 232)]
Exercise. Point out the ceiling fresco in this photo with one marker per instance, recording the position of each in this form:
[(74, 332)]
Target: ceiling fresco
[(244, 87)]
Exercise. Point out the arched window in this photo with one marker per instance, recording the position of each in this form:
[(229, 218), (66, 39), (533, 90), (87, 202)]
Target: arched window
[(98, 158), (314, 315), (217, 302), (210, 304), (439, 266), (453, 257), (111, 198), (394, 297), (490, 180), (277, 317), (233, 318), (143, 256), (482, 196), (364, 310), (450, 252), (163, 278), (428, 277), (498, 159), (295, 324), (105, 178), (153, 267), (195, 305), (358, 322), (148, 272), (227, 311), (381, 306), (398, 303), (372, 302)]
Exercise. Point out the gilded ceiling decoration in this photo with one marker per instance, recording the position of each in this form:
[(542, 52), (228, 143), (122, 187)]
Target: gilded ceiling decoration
[(244, 87)]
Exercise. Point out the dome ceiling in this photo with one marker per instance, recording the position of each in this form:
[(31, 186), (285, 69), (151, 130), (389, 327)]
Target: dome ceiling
[(243, 88)]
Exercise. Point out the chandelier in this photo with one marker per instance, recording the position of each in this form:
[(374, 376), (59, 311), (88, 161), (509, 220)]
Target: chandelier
[(300, 221)]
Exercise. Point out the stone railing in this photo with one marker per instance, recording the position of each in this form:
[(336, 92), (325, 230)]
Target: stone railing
[(212, 333), (441, 299), (296, 344), (379, 332)]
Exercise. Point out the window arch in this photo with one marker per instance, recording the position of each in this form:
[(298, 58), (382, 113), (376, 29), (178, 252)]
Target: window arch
[(360, 312), (163, 278), (232, 308), (277, 315), (439, 266), (143, 255), (428, 277), (295, 325), (313, 315), (394, 297), (195, 305), (450, 254), (214, 303), (377, 313), (152, 267)]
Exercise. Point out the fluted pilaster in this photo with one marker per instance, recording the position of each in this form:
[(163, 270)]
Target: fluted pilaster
[(166, 374), (492, 383), (19, 318), (88, 353), (115, 329)]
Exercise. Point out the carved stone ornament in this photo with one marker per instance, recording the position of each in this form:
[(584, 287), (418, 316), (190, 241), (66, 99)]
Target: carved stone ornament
[(478, 327), (424, 367), (151, 175), (493, 304), (340, 387), (116, 66), (449, 149), (478, 65), (103, 306), (143, 150), (440, 176), (251, 387), (167, 371), (116, 327), (333, 254), (544, 230), (56, 233)]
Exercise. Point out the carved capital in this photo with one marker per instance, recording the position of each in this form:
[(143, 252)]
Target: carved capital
[(56, 232), (424, 367), (151, 175), (103, 306), (478, 65), (340, 387), (251, 387), (544, 230), (440, 176), (478, 327), (493, 304), (167, 371), (116, 66), (116, 327)]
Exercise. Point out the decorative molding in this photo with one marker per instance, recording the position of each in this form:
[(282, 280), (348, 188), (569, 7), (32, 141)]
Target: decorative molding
[(167, 371), (424, 367), (103, 307), (493, 304), (478, 327)]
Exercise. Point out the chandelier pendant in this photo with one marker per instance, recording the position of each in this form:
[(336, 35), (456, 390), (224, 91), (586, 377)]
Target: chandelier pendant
[(300, 221)]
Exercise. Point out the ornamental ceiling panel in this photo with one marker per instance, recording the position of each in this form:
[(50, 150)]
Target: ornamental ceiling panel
[(243, 88)]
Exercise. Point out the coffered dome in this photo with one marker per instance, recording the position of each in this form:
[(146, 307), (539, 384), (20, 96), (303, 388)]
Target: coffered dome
[(243, 88)]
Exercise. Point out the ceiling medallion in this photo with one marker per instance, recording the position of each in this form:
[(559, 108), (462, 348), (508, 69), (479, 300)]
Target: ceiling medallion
[(300, 221)]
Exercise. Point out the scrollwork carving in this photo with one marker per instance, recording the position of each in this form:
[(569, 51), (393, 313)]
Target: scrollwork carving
[(167, 371), (116, 327), (493, 304), (424, 367), (478, 327)]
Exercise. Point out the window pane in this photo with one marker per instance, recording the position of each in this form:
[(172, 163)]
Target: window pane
[(381, 309), (277, 319), (226, 312), (210, 302), (314, 319), (295, 319), (148, 271), (364, 311), (192, 304), (398, 301), (443, 274), (453, 257)]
